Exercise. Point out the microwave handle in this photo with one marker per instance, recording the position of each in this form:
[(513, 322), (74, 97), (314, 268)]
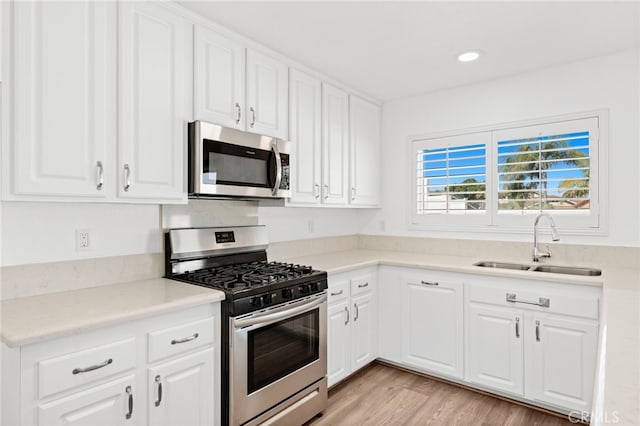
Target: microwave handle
[(276, 153)]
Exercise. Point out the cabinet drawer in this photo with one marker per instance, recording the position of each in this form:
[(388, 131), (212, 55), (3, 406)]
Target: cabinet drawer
[(175, 340), (90, 365), (337, 292), (560, 301), (362, 284)]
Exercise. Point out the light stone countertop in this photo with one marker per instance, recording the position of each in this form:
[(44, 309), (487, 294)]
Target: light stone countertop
[(36, 318), (617, 382)]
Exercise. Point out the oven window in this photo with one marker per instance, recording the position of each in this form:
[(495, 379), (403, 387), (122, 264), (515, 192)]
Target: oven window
[(282, 348)]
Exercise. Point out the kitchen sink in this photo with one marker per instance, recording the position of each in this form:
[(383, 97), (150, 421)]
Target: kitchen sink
[(503, 265), (570, 270), (553, 269)]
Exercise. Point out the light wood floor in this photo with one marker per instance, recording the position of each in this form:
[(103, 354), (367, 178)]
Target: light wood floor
[(383, 395)]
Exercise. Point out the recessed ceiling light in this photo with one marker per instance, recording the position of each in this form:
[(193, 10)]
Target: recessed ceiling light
[(468, 56)]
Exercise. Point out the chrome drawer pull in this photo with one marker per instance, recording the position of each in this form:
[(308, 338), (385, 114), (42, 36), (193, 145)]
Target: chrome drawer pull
[(127, 177), (185, 340), (363, 285), (537, 331), (542, 301), (100, 177), (93, 367), (355, 318), (238, 113), (517, 328), (337, 293), (346, 310), (429, 283), (130, 393), (159, 382)]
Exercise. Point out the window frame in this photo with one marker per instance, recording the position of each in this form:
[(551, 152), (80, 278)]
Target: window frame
[(594, 223)]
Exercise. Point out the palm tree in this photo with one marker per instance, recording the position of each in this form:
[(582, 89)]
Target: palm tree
[(526, 169)]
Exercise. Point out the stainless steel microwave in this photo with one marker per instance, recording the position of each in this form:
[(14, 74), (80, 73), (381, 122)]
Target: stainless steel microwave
[(227, 162)]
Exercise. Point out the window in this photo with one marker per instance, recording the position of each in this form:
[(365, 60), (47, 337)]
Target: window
[(504, 176)]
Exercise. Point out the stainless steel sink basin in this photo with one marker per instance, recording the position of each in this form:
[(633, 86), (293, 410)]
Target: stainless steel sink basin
[(570, 270), (503, 265)]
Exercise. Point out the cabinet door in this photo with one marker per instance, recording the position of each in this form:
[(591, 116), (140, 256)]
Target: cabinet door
[(561, 361), (363, 330), (338, 341), (181, 392), (64, 98), (364, 125), (432, 325), (304, 133), (219, 84), (494, 350), (107, 405), (266, 95), (335, 145), (153, 64)]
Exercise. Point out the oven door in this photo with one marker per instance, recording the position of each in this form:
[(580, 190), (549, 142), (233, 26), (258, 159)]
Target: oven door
[(230, 162), (274, 354)]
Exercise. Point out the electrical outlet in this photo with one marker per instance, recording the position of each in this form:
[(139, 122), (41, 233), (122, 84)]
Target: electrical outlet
[(83, 240)]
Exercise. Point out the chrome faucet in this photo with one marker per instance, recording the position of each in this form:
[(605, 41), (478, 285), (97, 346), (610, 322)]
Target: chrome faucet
[(538, 254)]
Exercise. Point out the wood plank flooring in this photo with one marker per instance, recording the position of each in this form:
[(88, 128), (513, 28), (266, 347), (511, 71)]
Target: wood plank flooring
[(383, 395)]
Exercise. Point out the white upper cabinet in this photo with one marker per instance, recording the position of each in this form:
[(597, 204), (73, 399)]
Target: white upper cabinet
[(153, 111), (364, 133), (63, 106), (335, 145), (237, 87), (266, 95), (219, 86), (305, 133), (76, 67)]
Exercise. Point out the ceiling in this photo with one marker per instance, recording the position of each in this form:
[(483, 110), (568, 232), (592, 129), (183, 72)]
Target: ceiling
[(394, 49)]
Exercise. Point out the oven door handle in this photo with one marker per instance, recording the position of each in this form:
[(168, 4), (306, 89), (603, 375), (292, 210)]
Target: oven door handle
[(269, 318), (276, 154)]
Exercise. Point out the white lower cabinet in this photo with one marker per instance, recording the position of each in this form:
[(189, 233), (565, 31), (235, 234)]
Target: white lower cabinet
[(432, 323), (534, 340), (495, 348), (352, 323), (110, 404), (562, 360), (174, 386), (112, 376)]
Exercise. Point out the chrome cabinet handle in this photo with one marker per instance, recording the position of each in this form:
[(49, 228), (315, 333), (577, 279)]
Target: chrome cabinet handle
[(353, 193), (316, 191), (363, 285), (326, 191), (92, 367), (184, 340), (429, 283), (238, 113), (127, 177), (537, 331), (346, 310), (100, 175), (337, 293), (357, 312), (278, 160), (159, 382), (542, 301), (253, 116), (517, 328), (130, 393)]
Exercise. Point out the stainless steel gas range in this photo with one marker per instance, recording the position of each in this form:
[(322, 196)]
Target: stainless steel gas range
[(274, 336)]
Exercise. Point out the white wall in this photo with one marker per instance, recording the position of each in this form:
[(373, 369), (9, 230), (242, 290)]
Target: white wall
[(34, 232), (606, 82)]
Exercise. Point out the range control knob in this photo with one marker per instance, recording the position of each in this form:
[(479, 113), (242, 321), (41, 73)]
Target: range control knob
[(304, 289), (287, 293), (314, 287), (256, 302), (267, 299)]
